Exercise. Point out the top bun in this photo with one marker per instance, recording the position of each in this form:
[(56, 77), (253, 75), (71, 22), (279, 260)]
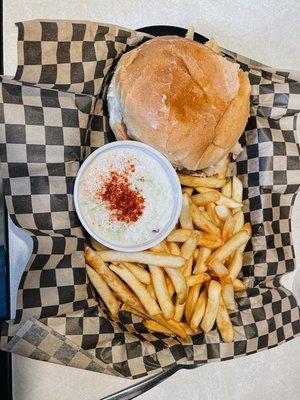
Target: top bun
[(181, 98)]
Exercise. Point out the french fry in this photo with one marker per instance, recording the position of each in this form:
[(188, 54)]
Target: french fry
[(138, 288), (195, 255), (192, 297), (170, 286), (188, 267), (179, 310), (104, 291), (222, 212), (209, 240), (202, 189), (230, 203), (229, 247), (224, 324), (179, 283), (201, 208), (189, 331), (96, 245), (189, 246), (188, 190), (139, 272), (151, 290), (202, 222), (202, 199), (195, 181), (174, 248), (213, 215), (236, 264), (211, 310), (143, 257), (185, 215), (161, 291), (111, 279), (239, 221), (154, 326), (199, 310), (174, 326), (228, 293), (179, 235), (219, 269), (200, 265), (196, 279), (226, 189), (237, 189), (228, 228), (238, 285), (142, 313)]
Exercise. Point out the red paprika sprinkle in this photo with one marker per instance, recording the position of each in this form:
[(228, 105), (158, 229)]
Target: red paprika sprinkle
[(126, 202)]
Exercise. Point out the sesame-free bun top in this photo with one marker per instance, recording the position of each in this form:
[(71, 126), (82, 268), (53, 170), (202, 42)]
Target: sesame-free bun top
[(181, 98)]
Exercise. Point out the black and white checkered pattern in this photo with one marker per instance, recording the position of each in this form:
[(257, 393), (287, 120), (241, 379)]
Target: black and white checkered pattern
[(267, 313)]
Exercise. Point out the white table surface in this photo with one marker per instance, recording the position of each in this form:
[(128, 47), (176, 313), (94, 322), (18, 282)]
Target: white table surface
[(267, 31)]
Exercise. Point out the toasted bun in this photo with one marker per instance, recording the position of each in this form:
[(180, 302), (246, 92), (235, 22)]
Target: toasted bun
[(180, 97)]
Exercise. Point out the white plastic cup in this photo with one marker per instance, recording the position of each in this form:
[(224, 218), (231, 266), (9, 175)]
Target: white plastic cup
[(174, 182)]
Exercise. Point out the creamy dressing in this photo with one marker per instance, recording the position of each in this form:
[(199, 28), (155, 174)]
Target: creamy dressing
[(146, 177)]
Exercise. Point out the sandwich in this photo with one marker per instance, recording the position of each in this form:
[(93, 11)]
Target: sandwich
[(182, 98)]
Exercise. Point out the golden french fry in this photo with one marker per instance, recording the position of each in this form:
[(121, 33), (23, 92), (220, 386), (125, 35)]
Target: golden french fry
[(142, 313), (222, 212), (185, 215), (200, 265), (189, 246), (203, 222), (228, 228), (154, 326), (224, 323), (151, 290), (211, 310), (201, 189), (199, 310), (170, 286), (230, 203), (196, 279), (238, 285), (229, 247), (179, 310), (228, 293), (179, 235), (195, 181), (213, 215), (226, 189), (96, 245), (188, 267), (138, 288), (237, 189), (188, 190), (143, 257), (161, 291), (179, 283), (219, 269), (189, 331), (209, 240), (239, 221), (174, 326), (111, 279), (236, 264), (195, 255), (139, 272), (202, 199), (201, 208), (192, 297), (104, 291), (174, 248)]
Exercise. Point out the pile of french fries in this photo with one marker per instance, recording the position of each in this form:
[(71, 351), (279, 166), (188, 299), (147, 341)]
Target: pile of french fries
[(187, 283)]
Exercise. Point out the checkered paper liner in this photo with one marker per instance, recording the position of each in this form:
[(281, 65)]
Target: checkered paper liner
[(65, 66)]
